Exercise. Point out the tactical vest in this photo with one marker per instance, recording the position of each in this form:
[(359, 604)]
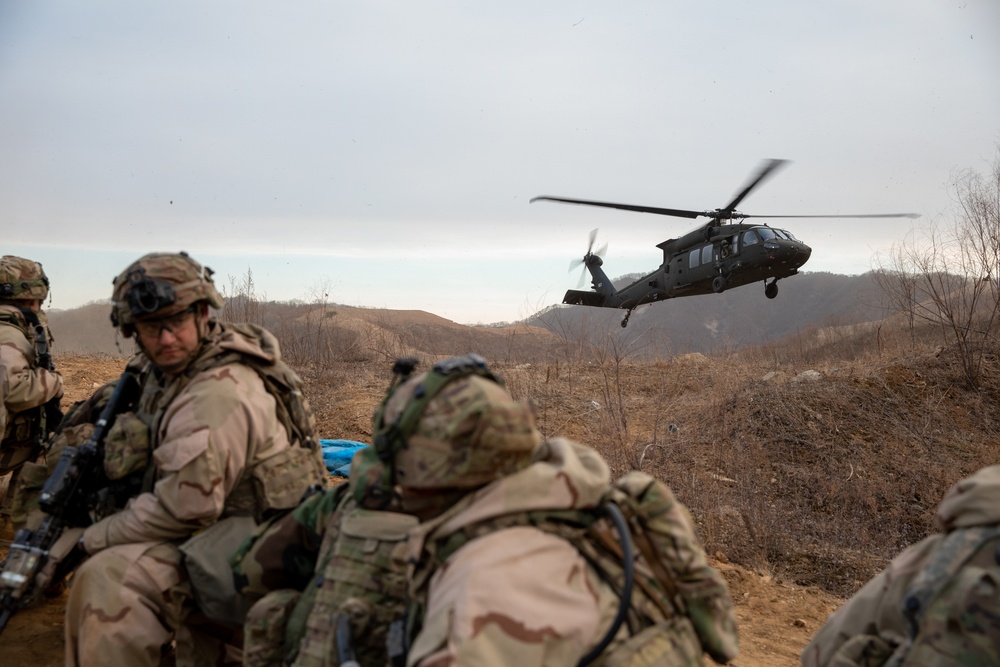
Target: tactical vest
[(275, 484), (357, 589), (669, 621)]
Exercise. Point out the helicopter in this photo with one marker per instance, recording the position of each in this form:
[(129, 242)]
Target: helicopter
[(724, 253)]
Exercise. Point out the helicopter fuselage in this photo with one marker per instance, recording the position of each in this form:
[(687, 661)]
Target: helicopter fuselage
[(704, 261)]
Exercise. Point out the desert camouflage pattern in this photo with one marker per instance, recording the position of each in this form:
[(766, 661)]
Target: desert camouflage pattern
[(356, 572), (946, 585), (218, 449), (191, 283), (470, 434), (496, 580), (22, 279), (24, 387)]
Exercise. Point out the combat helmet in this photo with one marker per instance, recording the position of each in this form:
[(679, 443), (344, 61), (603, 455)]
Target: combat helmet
[(453, 427), (22, 279), (160, 285)]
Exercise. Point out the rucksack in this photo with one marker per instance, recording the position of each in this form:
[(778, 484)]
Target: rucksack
[(953, 604), (675, 605)]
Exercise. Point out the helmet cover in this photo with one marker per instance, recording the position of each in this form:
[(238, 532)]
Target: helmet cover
[(22, 279), (160, 285)]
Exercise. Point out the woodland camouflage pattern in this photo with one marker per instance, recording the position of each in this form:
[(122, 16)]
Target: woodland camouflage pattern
[(216, 448), (946, 584)]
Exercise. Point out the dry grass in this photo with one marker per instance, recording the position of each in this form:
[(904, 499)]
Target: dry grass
[(817, 482)]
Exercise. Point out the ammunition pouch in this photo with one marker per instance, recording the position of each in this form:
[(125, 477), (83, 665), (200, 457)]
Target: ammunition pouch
[(670, 642), (127, 448), (264, 628), (279, 481)]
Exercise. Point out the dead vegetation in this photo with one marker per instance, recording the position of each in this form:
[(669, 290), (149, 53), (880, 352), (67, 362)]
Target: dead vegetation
[(814, 461)]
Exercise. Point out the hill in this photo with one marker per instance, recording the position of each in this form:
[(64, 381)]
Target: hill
[(728, 321), (807, 462), (706, 324)]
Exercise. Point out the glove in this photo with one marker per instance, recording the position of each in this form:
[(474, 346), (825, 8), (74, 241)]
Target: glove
[(64, 556), (53, 415)]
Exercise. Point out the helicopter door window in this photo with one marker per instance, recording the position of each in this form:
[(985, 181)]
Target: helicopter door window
[(706, 255), (693, 258), (749, 238)]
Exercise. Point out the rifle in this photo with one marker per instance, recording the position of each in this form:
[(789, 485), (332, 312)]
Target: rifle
[(51, 414), (70, 495)]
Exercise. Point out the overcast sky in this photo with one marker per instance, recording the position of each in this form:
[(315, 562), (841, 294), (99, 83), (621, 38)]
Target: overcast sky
[(384, 153)]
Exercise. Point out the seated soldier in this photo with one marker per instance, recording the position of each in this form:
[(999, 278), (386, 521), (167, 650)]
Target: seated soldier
[(522, 554), (937, 602)]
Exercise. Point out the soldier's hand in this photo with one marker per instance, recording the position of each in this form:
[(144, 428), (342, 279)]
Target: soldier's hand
[(53, 415), (67, 549)]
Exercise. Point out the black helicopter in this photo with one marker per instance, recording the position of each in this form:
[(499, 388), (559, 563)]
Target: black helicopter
[(723, 253)]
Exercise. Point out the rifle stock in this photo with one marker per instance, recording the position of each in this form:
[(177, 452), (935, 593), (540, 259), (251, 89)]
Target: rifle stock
[(67, 498)]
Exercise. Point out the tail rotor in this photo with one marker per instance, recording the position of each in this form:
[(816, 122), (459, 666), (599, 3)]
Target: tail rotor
[(591, 258)]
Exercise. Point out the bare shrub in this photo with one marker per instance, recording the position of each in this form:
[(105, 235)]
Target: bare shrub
[(950, 275)]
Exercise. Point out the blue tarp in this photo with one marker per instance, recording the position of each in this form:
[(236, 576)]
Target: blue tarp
[(337, 455)]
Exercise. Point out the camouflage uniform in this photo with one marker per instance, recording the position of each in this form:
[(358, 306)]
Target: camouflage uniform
[(214, 457), (25, 386), (502, 569), (937, 603)]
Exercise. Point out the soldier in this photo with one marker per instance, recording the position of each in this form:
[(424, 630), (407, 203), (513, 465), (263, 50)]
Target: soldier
[(219, 439), (525, 553), (30, 387), (937, 602)]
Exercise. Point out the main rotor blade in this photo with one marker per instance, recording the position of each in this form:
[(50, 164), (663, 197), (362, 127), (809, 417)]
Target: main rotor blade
[(766, 169), (912, 216), (676, 212)]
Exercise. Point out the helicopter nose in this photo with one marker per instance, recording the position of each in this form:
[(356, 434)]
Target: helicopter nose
[(802, 255)]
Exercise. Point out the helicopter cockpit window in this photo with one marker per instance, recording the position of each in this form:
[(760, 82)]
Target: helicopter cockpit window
[(749, 238), (789, 235), (766, 234), (693, 258)]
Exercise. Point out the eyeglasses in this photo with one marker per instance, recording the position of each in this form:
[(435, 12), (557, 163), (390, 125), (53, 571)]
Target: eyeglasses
[(155, 328)]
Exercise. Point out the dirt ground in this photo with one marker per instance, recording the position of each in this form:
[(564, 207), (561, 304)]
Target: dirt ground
[(776, 619)]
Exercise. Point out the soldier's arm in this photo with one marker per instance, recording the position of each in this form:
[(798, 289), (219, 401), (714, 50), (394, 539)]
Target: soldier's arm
[(284, 555), (26, 387), (207, 434)]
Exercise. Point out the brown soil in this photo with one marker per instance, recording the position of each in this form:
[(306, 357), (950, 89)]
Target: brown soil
[(776, 618)]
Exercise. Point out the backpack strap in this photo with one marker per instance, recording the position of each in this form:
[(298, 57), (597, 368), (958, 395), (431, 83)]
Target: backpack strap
[(614, 513)]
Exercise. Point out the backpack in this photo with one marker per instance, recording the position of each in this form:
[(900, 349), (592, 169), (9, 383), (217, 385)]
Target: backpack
[(953, 604), (674, 604)]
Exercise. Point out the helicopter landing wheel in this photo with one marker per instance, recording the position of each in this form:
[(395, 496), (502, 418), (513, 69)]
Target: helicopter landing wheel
[(771, 289), (718, 284)]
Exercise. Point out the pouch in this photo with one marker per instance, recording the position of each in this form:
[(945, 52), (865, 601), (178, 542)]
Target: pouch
[(206, 557), (127, 447)]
